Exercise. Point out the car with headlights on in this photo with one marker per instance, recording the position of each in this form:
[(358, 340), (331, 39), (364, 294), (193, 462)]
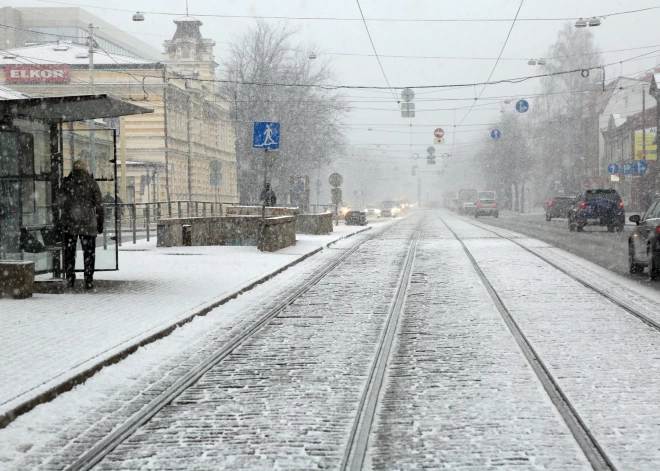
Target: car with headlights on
[(372, 210), (389, 209), (487, 207)]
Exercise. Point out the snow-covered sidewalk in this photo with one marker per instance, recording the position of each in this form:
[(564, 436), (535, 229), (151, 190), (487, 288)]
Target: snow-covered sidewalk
[(48, 341)]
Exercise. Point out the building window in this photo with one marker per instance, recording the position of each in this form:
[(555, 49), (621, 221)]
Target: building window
[(216, 173)]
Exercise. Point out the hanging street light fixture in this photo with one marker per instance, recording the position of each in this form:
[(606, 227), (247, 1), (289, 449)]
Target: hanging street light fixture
[(581, 23), (138, 16)]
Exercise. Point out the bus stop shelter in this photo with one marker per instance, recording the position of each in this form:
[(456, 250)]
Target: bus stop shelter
[(37, 150)]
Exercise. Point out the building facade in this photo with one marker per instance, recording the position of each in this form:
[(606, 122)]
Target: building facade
[(185, 150)]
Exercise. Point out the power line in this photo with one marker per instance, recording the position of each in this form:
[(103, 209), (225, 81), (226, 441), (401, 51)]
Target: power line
[(330, 18), (373, 46), (497, 62)]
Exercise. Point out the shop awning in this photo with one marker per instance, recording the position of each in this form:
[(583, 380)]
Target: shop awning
[(69, 108)]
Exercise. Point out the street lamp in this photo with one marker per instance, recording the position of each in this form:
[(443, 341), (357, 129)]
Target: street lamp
[(595, 21), (581, 23), (541, 62), (311, 56), (531, 62), (138, 16)]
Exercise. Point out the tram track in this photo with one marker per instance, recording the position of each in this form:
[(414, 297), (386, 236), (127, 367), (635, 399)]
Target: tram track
[(627, 308), (120, 434), (359, 437), (580, 431)]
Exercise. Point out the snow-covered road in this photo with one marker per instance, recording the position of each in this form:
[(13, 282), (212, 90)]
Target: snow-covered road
[(458, 390)]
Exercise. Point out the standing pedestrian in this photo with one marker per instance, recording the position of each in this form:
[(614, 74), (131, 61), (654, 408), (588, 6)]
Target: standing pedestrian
[(268, 195), (82, 216)]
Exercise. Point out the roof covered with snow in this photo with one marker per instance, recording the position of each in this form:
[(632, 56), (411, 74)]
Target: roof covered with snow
[(66, 53), (9, 94)]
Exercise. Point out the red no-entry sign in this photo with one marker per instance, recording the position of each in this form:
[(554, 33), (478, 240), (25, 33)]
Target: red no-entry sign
[(439, 133)]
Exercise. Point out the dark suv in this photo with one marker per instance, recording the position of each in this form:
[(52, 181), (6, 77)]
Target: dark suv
[(597, 208), (558, 207), (644, 242)]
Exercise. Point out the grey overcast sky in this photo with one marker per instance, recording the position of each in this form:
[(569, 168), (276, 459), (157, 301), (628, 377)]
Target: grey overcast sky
[(529, 39)]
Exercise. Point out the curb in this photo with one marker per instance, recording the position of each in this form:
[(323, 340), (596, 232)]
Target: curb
[(79, 378), (349, 235)]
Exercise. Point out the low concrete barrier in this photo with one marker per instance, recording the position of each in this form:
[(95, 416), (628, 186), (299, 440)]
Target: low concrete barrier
[(279, 232), (315, 224), (16, 279), (256, 211), (238, 230)]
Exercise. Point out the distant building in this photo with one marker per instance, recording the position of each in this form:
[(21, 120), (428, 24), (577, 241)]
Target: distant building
[(185, 149), (28, 26)]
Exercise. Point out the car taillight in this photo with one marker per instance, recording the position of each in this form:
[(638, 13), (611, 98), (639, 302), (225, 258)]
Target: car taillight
[(494, 205), (583, 205), (479, 205), (551, 202), (621, 205)]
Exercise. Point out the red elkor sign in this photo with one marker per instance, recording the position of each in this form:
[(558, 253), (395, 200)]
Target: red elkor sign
[(37, 74)]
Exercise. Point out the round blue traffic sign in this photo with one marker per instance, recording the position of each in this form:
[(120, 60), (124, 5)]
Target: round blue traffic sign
[(613, 169), (496, 134), (522, 106), (640, 167)]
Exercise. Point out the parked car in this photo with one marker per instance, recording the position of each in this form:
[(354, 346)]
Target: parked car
[(644, 242), (469, 208), (389, 209), (487, 207), (597, 208), (558, 207), (372, 210)]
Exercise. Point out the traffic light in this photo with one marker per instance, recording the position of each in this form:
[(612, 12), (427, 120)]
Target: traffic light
[(430, 160)]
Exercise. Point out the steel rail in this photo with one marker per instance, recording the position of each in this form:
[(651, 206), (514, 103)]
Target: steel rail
[(642, 317), (358, 442), (99, 451), (585, 439)]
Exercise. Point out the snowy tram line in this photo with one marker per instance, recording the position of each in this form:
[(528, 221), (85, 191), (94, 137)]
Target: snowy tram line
[(288, 395), (459, 392), (434, 343), (601, 352)]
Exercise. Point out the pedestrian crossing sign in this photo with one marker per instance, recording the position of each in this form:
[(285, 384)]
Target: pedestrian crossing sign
[(266, 135)]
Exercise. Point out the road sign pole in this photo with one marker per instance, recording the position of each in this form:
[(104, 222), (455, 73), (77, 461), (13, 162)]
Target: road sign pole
[(262, 228)]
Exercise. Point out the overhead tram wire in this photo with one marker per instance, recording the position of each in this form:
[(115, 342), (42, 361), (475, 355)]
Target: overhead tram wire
[(322, 18), (494, 66), (373, 46)]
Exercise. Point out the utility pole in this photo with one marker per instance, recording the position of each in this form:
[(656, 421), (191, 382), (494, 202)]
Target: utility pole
[(189, 148), (167, 152), (92, 132), (643, 180)]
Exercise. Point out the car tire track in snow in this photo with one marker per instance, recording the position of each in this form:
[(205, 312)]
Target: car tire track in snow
[(361, 430), (588, 443), (105, 446)]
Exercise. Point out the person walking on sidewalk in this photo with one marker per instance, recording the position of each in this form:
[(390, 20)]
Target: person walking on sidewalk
[(82, 216), (269, 195)]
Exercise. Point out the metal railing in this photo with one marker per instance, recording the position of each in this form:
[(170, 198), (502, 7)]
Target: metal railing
[(142, 218)]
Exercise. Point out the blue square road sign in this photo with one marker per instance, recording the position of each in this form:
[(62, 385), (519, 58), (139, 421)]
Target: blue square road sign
[(266, 135)]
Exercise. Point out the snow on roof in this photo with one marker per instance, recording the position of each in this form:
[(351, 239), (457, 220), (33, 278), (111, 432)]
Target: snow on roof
[(65, 53), (618, 120), (9, 94)]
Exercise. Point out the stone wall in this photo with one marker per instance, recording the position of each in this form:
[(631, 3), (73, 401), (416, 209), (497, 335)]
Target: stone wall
[(256, 211), (16, 279), (227, 230), (316, 224)]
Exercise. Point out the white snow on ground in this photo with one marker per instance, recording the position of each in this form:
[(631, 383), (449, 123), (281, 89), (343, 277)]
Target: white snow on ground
[(459, 392), (49, 338), (605, 359), (117, 391)]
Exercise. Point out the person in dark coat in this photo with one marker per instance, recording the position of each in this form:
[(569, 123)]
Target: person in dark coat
[(82, 216), (269, 195)]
